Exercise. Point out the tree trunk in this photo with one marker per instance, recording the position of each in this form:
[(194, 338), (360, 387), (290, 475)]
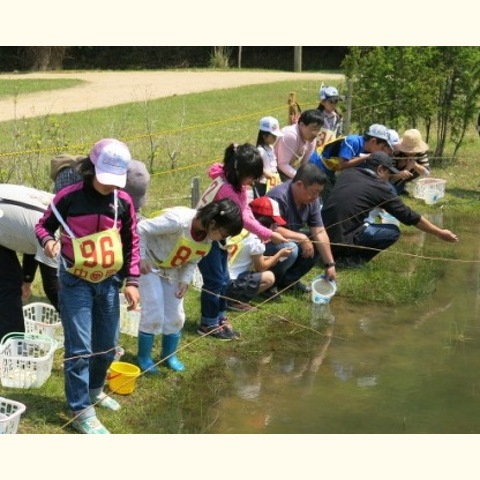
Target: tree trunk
[(44, 58), (297, 59), (445, 103)]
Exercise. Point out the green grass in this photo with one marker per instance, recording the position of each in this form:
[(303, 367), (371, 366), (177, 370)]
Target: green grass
[(198, 127), (14, 87)]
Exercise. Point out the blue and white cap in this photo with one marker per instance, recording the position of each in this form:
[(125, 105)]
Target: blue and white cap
[(270, 125), (394, 138), (382, 132), (326, 92)]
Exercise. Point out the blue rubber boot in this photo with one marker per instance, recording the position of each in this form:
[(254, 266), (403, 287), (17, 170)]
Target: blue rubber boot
[(144, 358), (169, 346)]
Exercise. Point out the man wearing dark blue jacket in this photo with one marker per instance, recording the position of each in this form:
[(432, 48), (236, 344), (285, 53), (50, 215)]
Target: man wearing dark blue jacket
[(354, 239)]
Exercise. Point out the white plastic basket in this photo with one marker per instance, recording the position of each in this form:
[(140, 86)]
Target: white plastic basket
[(433, 184), (26, 360), (129, 320), (43, 319), (10, 413)]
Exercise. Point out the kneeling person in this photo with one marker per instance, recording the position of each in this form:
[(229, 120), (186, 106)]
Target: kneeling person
[(249, 268), (357, 191)]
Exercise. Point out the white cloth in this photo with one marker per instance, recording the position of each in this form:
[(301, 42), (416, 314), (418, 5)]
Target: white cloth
[(159, 235), (162, 312), (18, 220), (242, 260), (269, 160)]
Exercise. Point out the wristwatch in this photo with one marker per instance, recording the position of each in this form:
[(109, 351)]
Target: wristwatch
[(329, 264)]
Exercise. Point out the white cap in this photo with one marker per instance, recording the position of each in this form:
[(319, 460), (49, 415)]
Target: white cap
[(111, 158), (270, 125), (380, 131), (394, 138)]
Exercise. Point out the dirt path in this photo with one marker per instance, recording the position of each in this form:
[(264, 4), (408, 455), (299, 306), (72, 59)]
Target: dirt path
[(104, 89)]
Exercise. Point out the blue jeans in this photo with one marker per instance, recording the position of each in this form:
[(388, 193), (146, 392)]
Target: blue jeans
[(90, 314), (214, 270), (293, 268), (378, 236)]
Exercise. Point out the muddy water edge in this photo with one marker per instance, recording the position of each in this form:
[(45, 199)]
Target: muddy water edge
[(373, 369)]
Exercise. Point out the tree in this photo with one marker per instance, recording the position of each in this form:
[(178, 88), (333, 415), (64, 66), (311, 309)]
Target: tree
[(44, 58), (408, 87), (220, 57)]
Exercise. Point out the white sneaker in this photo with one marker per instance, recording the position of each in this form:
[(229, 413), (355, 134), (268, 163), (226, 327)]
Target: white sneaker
[(104, 401), (91, 425)]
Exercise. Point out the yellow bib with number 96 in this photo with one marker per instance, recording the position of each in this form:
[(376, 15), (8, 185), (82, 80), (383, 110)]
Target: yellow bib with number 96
[(97, 256)]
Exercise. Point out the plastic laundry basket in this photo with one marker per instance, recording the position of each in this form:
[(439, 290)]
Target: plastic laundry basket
[(43, 319), (26, 360), (10, 413)]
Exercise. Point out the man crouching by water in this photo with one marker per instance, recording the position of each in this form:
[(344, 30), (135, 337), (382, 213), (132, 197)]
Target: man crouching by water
[(346, 213)]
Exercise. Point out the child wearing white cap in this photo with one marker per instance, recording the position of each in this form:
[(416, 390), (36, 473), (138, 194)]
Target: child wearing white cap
[(268, 133), (98, 252)]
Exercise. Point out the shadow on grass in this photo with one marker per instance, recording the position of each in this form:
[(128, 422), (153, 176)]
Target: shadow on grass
[(44, 413)]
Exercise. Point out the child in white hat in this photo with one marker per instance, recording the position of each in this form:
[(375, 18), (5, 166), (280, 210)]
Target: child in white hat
[(331, 129), (268, 133)]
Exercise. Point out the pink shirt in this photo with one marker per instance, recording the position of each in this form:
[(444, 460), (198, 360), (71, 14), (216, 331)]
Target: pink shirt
[(292, 151), (250, 223)]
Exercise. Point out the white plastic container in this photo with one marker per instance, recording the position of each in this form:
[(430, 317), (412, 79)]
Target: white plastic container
[(422, 185), (431, 196), (10, 413), (129, 319), (43, 319), (26, 360), (388, 219), (322, 289)]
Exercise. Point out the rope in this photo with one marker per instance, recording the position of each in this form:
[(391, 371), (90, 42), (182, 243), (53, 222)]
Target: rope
[(190, 344)]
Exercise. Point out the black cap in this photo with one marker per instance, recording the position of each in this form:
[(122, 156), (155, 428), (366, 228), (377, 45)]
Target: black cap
[(381, 158)]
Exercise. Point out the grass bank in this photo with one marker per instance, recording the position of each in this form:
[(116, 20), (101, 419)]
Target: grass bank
[(14, 87)]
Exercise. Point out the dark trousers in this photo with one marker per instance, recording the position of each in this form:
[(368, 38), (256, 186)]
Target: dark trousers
[(376, 236), (214, 270), (294, 267), (11, 280)]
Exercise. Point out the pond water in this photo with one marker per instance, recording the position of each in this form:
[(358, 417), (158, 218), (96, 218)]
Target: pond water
[(376, 369)]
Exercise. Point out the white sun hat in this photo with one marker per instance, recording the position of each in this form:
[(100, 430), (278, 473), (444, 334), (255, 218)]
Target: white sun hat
[(270, 125)]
